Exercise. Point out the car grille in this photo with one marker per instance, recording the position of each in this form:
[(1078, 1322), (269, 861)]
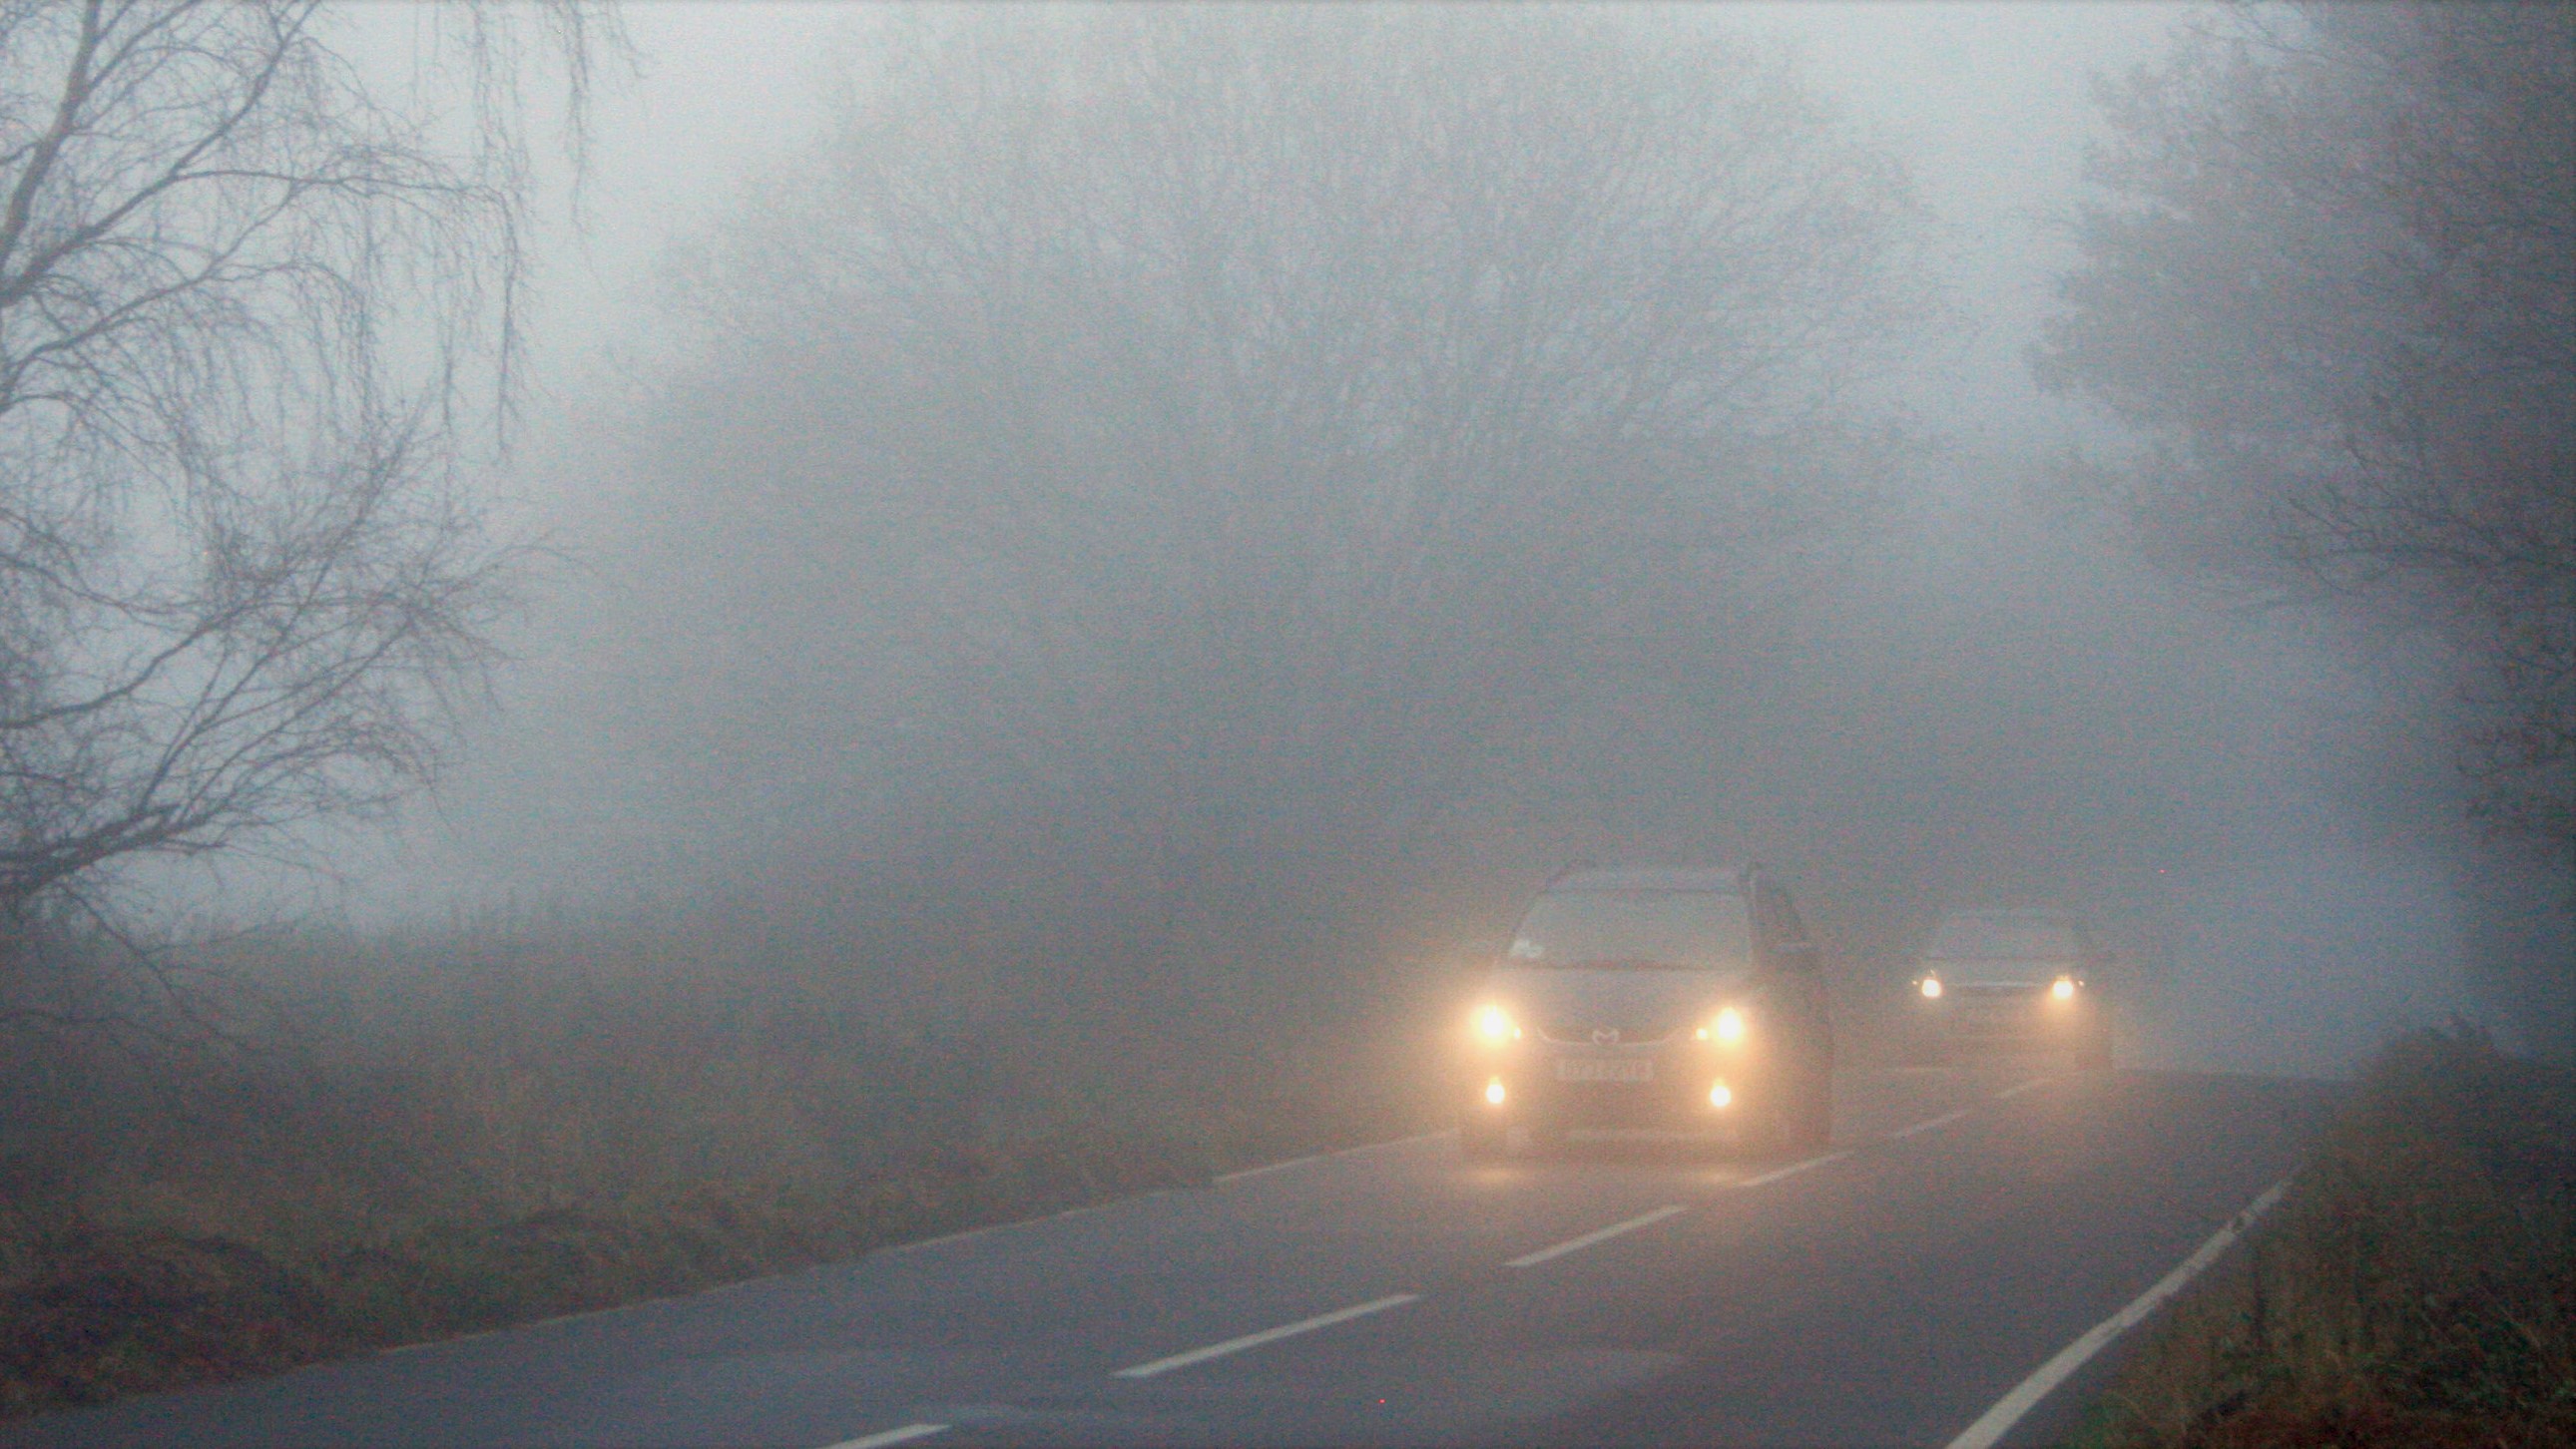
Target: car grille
[(1567, 1032), (1982, 1006)]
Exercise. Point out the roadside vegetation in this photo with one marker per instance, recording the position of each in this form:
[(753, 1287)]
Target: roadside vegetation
[(2417, 1286), (398, 1140)]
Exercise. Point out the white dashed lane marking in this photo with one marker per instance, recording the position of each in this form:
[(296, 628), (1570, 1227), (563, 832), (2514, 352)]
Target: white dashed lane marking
[(1572, 1245), (891, 1437), (1267, 1335), (1792, 1170), (1944, 1120)]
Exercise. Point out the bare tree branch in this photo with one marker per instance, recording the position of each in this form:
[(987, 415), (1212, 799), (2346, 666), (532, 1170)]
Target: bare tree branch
[(251, 311)]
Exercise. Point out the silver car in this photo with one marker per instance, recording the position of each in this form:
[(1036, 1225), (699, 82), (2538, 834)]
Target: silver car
[(1685, 1000), (2011, 980)]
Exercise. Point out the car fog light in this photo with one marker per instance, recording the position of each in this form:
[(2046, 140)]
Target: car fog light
[(2064, 989), (1931, 988), (1494, 1092), (1719, 1096)]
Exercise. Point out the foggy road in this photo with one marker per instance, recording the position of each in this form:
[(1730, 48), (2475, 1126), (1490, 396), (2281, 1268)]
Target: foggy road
[(1963, 1229)]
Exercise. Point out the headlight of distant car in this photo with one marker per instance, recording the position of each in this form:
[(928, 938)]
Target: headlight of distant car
[(1726, 1028), (1494, 1026), (2063, 988), (1931, 988)]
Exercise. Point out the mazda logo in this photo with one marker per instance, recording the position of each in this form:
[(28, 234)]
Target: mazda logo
[(1605, 1036)]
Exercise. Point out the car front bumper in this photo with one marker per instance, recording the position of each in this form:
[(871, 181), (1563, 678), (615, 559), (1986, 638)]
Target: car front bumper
[(1684, 1087), (2030, 1018)]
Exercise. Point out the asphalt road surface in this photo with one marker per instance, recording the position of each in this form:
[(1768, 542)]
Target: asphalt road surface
[(1965, 1230)]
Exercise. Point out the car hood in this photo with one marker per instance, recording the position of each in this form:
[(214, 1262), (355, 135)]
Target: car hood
[(1641, 1005)]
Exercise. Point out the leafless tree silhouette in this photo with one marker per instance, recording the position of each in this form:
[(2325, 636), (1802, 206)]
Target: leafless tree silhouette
[(256, 322), (2333, 276), (1240, 421)]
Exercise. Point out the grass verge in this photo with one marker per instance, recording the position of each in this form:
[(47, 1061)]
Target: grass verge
[(2417, 1287), (106, 1312), (486, 1131)]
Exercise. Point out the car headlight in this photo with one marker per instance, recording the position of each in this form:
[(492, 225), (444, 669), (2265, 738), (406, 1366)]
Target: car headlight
[(1931, 988), (1494, 1026), (2063, 988), (1726, 1027)]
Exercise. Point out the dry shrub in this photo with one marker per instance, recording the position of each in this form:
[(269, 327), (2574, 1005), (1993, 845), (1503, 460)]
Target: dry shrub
[(465, 1131), (2418, 1287)]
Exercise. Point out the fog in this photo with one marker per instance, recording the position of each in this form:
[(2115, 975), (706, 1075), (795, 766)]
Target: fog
[(839, 640)]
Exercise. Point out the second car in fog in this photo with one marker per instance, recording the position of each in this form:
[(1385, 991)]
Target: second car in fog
[(2010, 980)]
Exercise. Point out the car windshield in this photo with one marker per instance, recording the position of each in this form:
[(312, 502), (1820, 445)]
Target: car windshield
[(1635, 929), (2001, 938)]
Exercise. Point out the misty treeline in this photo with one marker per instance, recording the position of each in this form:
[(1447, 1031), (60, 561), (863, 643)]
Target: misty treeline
[(1161, 512), (1177, 457), (1160, 515), (2329, 278)]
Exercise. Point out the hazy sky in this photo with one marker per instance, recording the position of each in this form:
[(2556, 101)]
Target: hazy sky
[(1988, 103)]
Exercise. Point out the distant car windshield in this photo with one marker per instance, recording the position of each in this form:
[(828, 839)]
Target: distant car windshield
[(1636, 930), (1993, 938)]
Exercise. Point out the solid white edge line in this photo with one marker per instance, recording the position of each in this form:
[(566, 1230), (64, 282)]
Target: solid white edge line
[(1998, 1421), (1273, 1167), (1571, 1245), (1944, 1120), (2010, 1092), (1793, 1169), (955, 1237), (904, 1435), (1267, 1335)]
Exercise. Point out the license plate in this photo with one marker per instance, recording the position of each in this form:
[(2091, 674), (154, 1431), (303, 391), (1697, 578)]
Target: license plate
[(1605, 1069)]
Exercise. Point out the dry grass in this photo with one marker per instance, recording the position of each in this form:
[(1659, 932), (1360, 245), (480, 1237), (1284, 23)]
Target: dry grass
[(2417, 1288), (462, 1131)]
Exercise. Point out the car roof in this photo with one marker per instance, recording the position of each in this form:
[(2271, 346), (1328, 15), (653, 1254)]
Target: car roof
[(1662, 878)]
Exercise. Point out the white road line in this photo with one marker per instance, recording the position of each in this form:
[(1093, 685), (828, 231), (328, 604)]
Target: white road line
[(1394, 1142), (1239, 1176), (1575, 1245), (904, 1435), (956, 1237), (1267, 1335), (1944, 1120), (1792, 1170), (1998, 1421), (2010, 1092), (1273, 1167)]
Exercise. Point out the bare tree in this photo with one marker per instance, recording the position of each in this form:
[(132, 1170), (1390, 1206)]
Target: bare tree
[(256, 321), (1245, 422), (2332, 276)]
